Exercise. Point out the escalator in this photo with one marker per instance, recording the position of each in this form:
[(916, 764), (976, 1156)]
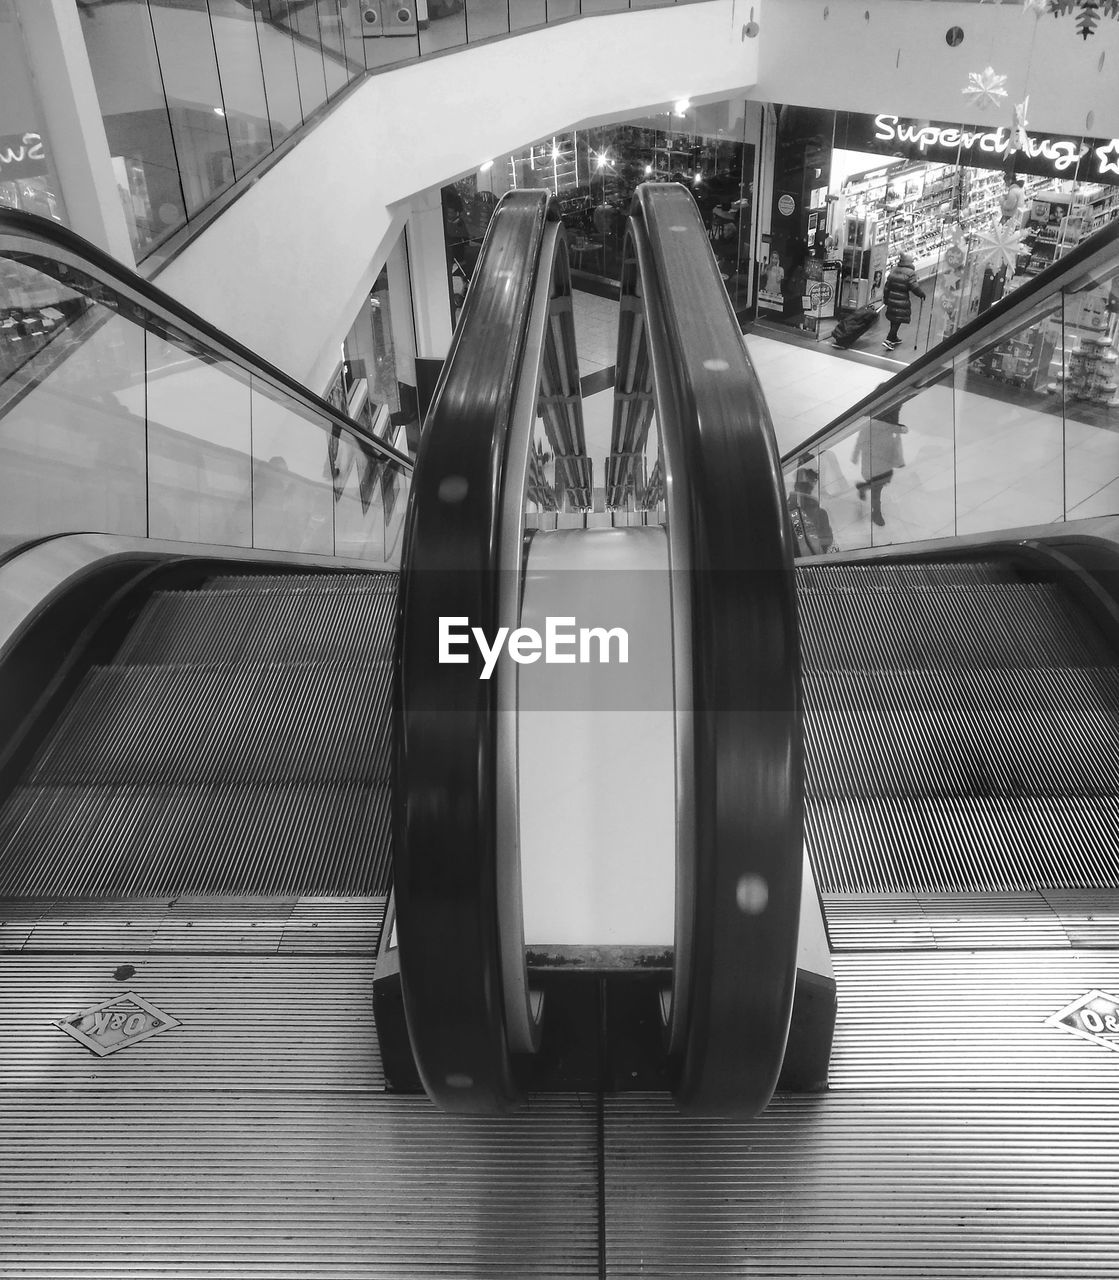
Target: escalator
[(199, 812), (962, 729), (237, 743)]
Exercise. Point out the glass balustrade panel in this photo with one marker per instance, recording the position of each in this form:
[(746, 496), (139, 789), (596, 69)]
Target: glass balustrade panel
[(281, 83), (365, 496), (1009, 421), (527, 13), (240, 66), (198, 443), (292, 475), (337, 65), (560, 9), (1085, 367), (192, 90), (446, 26), (72, 443), (487, 18)]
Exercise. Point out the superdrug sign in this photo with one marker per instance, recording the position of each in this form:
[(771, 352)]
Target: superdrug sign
[(1044, 155)]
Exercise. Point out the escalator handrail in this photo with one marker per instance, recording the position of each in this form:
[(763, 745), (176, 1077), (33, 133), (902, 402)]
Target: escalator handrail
[(447, 768), (736, 666), (1099, 252), (47, 238)]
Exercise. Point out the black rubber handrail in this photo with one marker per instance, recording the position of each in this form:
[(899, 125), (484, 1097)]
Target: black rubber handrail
[(1083, 263), (24, 233), (447, 863), (736, 666)]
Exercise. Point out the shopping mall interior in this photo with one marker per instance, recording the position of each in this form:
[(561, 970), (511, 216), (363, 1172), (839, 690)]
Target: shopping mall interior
[(559, 614)]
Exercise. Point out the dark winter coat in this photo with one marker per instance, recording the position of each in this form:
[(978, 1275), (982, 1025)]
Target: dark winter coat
[(900, 283)]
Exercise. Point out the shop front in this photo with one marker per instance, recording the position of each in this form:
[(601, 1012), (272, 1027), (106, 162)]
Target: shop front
[(978, 210), (593, 174)]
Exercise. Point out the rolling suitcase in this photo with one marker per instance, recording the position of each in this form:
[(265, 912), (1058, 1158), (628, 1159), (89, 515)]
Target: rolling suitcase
[(853, 326)]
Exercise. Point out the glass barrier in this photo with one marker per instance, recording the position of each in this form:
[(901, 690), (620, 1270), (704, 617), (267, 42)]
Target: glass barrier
[(194, 93), (115, 418), (1015, 425)]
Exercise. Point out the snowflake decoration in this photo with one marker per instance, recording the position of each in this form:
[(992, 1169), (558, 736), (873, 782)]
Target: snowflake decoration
[(1001, 244), (985, 88)]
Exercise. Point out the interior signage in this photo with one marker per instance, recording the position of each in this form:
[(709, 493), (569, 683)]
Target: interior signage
[(1063, 154), (980, 147), (22, 156)]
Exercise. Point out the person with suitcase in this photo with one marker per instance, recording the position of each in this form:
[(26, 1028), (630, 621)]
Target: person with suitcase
[(900, 283)]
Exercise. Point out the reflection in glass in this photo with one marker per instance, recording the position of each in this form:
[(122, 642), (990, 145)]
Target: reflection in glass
[(446, 25), (198, 444), (27, 178), (527, 13), (281, 84), (485, 18), (1010, 431), (71, 438), (122, 55), (242, 82), (292, 506), (336, 64), (303, 20), (189, 70)]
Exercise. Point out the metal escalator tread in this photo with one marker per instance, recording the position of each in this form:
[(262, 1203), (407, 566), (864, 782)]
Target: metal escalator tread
[(237, 744), (962, 732), (933, 844), (943, 626), (965, 731), (212, 724), (314, 839), (861, 577), (306, 624)]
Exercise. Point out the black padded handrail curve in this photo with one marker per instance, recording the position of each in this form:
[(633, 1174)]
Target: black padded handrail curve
[(447, 864), (736, 661), (1081, 264), (39, 237)]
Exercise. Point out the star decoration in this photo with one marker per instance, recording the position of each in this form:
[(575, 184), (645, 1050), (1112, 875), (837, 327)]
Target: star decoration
[(1109, 164), (985, 88), (1001, 244)]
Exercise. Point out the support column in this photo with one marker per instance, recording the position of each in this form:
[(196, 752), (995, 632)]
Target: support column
[(63, 79), (427, 259)]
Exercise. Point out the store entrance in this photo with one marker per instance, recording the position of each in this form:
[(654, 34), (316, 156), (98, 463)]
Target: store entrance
[(973, 220)]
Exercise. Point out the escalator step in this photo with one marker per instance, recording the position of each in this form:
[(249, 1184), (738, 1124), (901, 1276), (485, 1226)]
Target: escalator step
[(133, 841), (1001, 625), (378, 583), (248, 723), (862, 577), (308, 624), (977, 732), (934, 845)]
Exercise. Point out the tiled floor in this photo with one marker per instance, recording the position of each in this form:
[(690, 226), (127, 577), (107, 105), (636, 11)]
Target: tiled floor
[(805, 387), (973, 463)]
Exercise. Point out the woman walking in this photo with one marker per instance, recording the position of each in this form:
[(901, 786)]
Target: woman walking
[(900, 283)]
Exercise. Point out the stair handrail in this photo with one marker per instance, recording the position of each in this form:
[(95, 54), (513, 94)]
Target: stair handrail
[(460, 924), (736, 670)]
